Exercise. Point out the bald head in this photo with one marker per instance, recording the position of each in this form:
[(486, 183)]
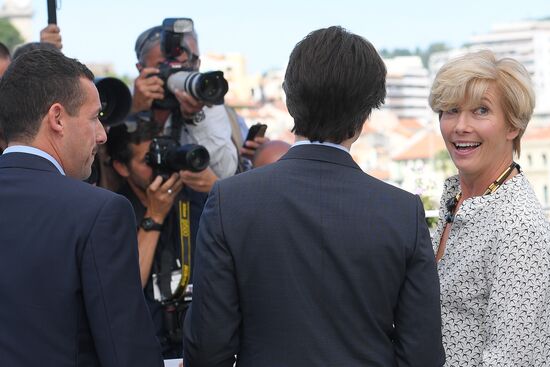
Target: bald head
[(269, 152)]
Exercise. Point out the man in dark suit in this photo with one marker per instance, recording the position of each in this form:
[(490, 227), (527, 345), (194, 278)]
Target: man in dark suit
[(309, 261), (69, 276)]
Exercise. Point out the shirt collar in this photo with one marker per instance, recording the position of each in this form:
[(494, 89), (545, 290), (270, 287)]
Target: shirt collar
[(325, 143), (34, 151)]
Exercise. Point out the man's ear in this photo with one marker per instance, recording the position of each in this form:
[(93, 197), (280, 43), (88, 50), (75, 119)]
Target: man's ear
[(139, 67), (55, 117), (121, 169)]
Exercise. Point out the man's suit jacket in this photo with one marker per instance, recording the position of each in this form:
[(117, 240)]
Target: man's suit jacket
[(70, 292), (312, 262)]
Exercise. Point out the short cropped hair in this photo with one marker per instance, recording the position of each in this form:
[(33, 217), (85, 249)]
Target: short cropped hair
[(464, 80), (24, 48), (333, 80), (32, 84), (134, 131)]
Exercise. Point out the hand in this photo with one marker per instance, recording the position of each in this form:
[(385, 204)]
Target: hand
[(250, 146), (159, 199), (51, 34), (188, 105), (199, 181), (146, 90)]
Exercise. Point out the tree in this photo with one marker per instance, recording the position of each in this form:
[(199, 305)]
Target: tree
[(433, 48), (423, 54), (9, 35)]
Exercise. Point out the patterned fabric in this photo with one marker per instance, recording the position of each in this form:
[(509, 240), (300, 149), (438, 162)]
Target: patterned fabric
[(495, 278)]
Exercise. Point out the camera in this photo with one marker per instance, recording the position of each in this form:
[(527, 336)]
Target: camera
[(209, 87), (167, 156), (115, 98)]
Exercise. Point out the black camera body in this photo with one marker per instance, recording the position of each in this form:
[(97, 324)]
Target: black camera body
[(209, 87), (167, 156)]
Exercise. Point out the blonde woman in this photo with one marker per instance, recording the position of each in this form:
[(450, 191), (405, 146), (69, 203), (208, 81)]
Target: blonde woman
[(492, 239)]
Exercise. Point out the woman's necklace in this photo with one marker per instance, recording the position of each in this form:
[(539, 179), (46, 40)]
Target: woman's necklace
[(453, 202)]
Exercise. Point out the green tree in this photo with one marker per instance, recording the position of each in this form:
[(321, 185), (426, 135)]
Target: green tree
[(424, 54), (9, 35), (433, 48)]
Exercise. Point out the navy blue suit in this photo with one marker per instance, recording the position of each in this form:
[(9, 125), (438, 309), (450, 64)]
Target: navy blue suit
[(70, 290), (311, 262)]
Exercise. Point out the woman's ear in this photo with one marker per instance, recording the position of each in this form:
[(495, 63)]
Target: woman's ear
[(513, 133)]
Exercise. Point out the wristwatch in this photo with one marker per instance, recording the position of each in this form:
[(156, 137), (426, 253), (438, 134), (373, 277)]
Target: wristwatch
[(149, 224)]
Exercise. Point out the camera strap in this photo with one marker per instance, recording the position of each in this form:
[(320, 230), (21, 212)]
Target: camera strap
[(176, 124), (185, 242)]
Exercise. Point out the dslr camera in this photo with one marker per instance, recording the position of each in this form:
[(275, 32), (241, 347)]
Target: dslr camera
[(167, 156), (209, 88)]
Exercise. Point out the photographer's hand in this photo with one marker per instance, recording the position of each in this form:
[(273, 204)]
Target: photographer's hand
[(250, 146), (199, 181), (188, 105), (159, 203), (161, 196), (51, 34), (146, 89)]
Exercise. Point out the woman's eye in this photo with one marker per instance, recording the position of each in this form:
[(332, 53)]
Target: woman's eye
[(481, 110)]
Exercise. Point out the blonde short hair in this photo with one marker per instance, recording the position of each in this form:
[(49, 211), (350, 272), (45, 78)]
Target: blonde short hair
[(464, 80)]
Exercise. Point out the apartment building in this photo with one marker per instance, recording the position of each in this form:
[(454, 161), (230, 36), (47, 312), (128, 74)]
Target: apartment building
[(407, 88)]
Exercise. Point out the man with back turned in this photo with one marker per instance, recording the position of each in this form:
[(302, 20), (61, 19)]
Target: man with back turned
[(309, 261), (69, 276)]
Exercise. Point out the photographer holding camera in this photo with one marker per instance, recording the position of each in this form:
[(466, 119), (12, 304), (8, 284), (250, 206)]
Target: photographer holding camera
[(168, 214), (183, 114)]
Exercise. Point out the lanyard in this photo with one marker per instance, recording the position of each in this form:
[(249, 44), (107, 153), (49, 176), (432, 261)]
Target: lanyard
[(185, 242), (453, 202)]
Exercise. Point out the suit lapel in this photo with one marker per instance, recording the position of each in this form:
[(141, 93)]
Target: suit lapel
[(321, 153)]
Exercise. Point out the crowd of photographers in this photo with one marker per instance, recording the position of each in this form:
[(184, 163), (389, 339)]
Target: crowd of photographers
[(164, 156)]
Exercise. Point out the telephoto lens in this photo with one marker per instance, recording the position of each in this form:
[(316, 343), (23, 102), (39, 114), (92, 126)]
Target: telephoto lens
[(208, 87)]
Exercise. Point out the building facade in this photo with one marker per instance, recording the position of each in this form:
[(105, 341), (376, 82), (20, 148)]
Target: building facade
[(528, 42), (407, 88)]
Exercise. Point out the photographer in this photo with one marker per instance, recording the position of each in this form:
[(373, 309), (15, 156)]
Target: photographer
[(163, 210), (191, 121)]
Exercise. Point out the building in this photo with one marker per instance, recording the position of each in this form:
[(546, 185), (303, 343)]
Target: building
[(422, 164), (19, 13), (244, 89), (535, 161), (526, 41), (272, 86), (407, 88)]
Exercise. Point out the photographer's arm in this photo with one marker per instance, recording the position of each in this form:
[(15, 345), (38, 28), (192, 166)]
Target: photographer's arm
[(159, 203), (199, 181), (51, 34), (146, 90), (214, 133), (188, 105)]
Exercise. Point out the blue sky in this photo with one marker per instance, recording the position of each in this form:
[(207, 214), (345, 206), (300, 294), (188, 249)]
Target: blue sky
[(266, 31)]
